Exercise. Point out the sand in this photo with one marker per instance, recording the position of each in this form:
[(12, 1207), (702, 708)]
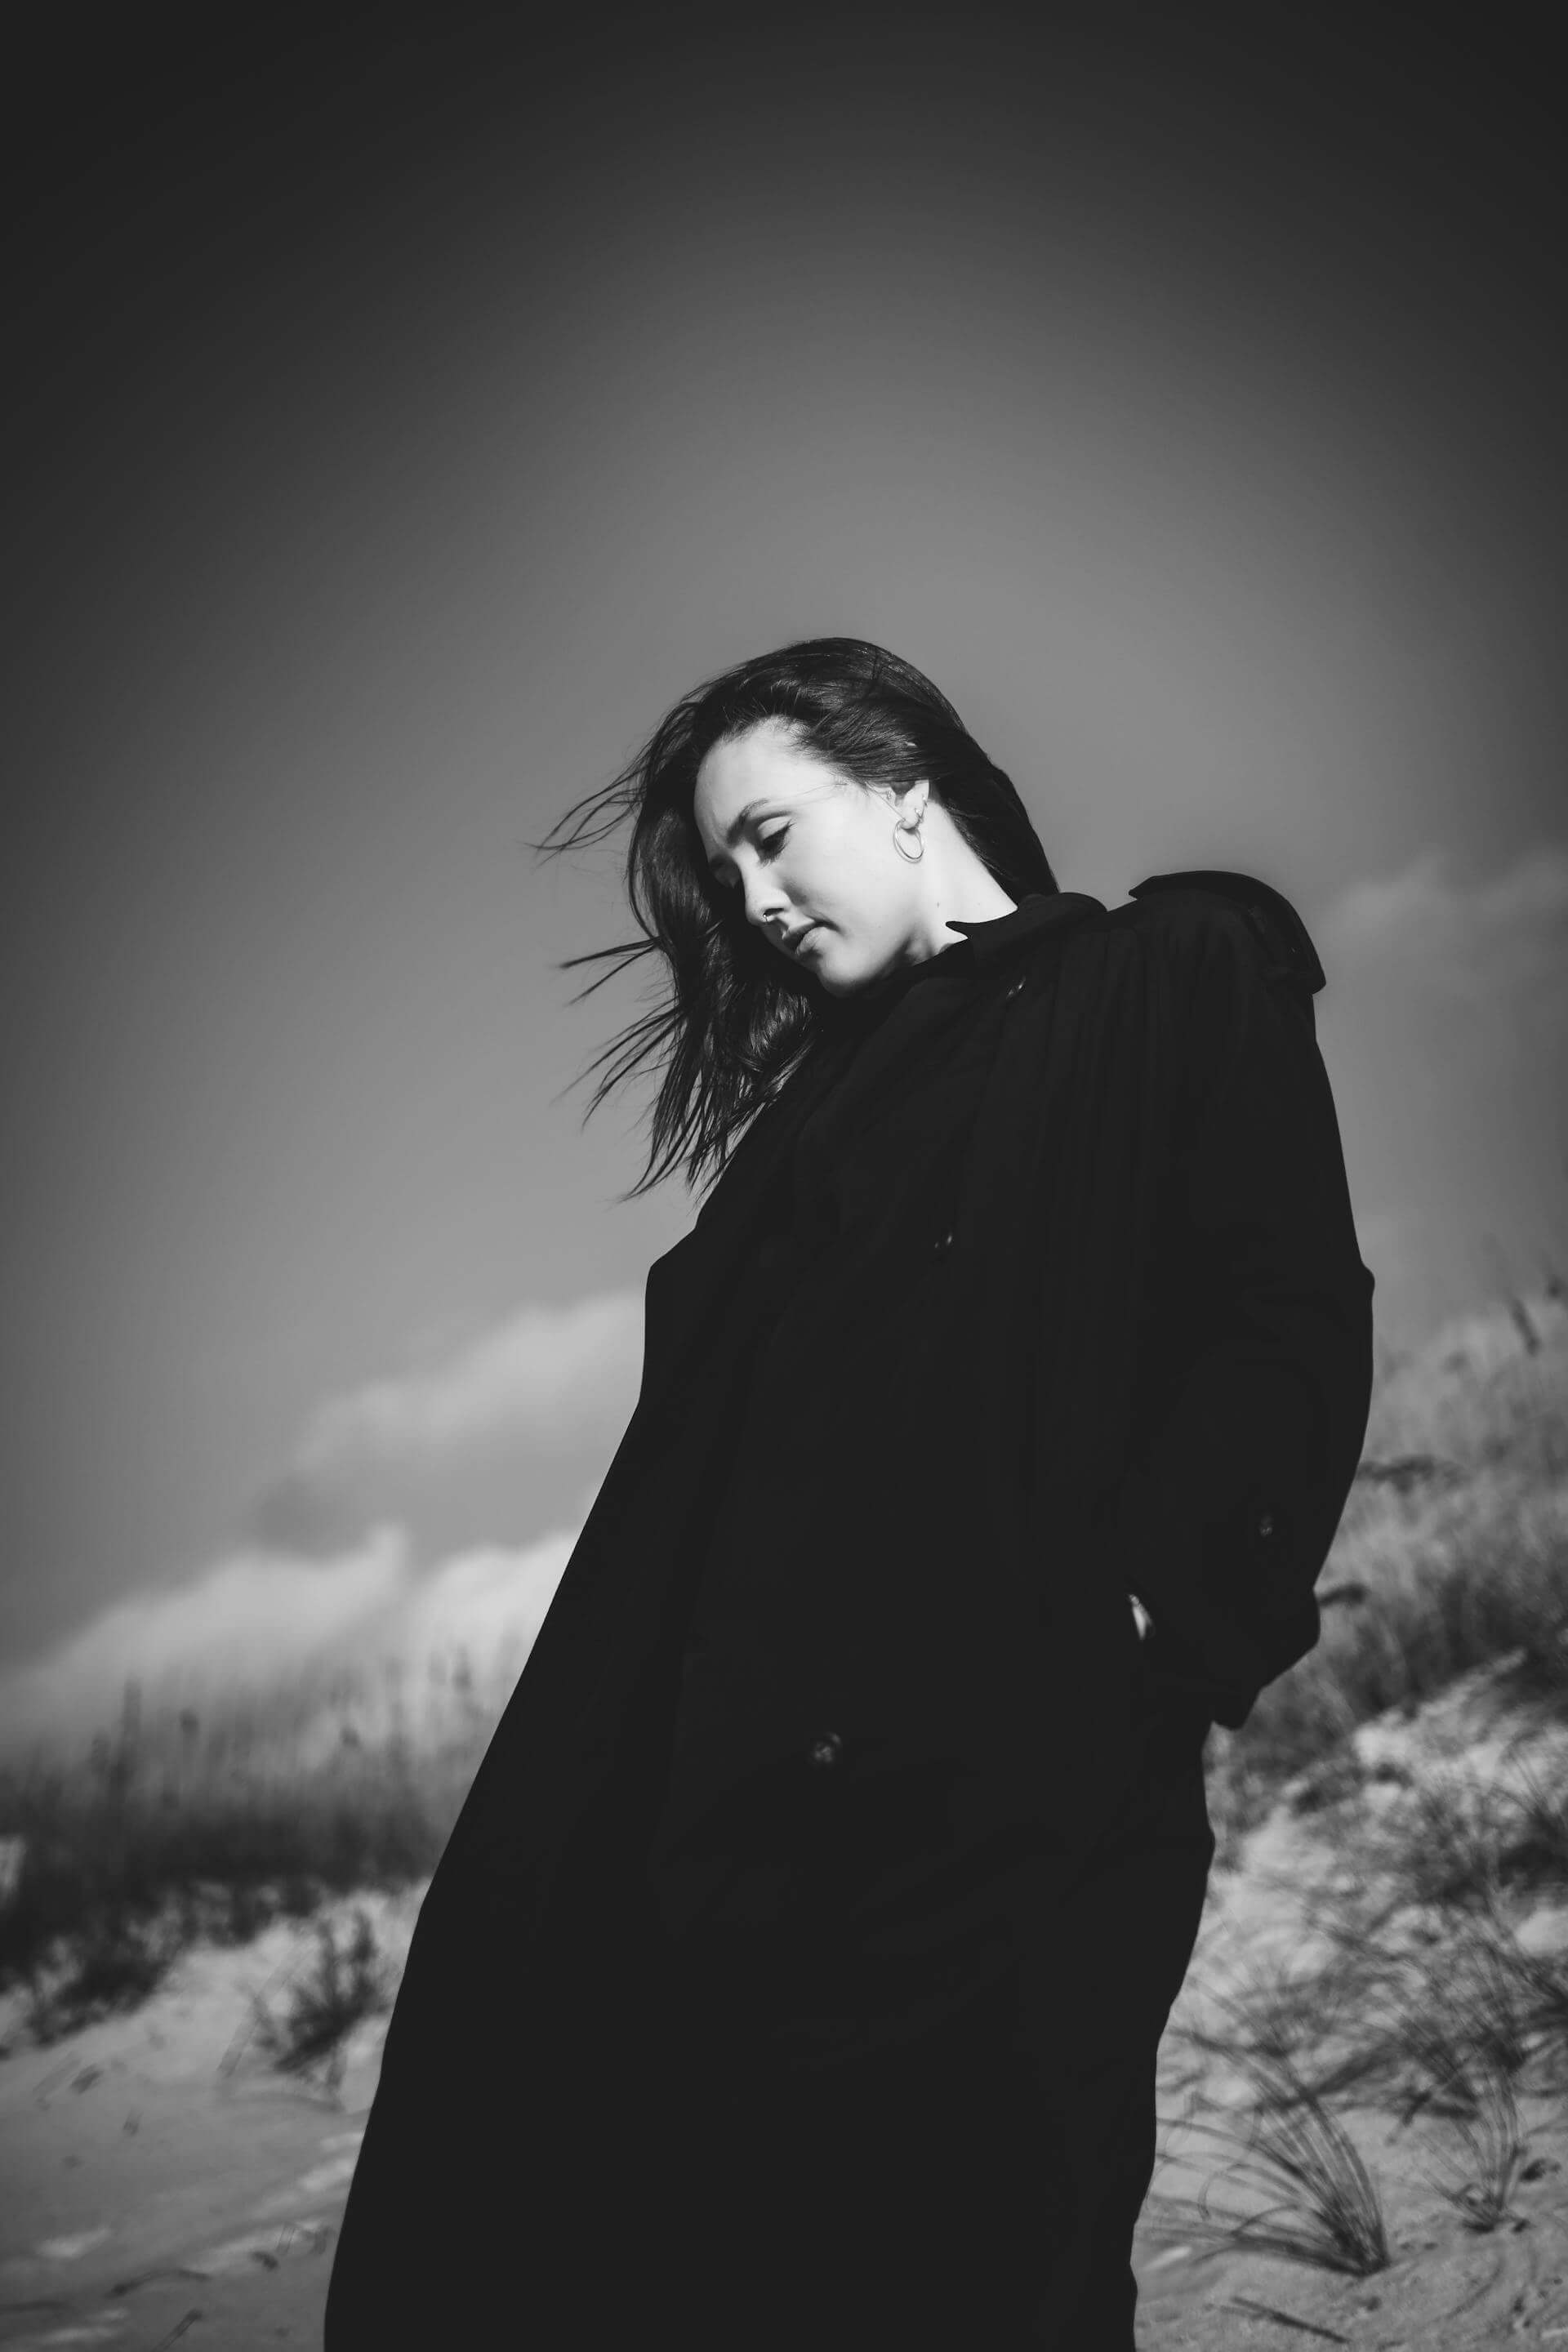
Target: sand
[(161, 2185)]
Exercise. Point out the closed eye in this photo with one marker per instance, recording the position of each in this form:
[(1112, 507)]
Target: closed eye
[(765, 841)]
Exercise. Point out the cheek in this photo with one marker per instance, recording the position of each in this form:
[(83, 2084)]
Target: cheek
[(848, 863)]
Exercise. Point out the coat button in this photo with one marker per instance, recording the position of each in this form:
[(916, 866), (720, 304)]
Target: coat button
[(942, 1242), (1265, 1523), (826, 1751)]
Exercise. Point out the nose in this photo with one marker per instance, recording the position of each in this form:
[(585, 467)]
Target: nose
[(766, 909)]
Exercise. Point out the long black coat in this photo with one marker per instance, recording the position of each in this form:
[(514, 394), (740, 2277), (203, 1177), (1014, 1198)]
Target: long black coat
[(1140, 1262)]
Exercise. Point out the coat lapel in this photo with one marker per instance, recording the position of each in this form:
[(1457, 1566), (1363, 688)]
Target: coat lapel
[(687, 1286)]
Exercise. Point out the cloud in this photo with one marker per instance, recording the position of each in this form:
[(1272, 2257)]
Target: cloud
[(326, 1579), (1475, 942), (274, 1627), (484, 1600), (547, 1373)]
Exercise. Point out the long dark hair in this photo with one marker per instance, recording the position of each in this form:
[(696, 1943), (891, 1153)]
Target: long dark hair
[(740, 1021)]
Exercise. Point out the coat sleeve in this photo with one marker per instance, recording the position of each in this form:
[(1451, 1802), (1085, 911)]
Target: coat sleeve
[(1246, 1458)]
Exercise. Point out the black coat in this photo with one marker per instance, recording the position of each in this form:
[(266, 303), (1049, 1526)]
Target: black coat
[(1138, 1271)]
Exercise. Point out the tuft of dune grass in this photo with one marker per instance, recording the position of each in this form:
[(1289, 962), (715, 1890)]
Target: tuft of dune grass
[(188, 1825), (324, 2004), (1321, 2204)]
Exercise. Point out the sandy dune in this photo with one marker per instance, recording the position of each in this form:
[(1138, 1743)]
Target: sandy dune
[(1448, 2288), (161, 2186)]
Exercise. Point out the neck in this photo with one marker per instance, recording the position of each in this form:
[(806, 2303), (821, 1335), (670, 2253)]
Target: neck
[(971, 897)]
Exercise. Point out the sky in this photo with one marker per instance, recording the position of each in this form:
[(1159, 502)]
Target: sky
[(400, 419)]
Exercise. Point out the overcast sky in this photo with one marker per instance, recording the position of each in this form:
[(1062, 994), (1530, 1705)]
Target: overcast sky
[(396, 426)]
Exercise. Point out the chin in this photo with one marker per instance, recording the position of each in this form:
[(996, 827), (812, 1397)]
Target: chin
[(850, 979)]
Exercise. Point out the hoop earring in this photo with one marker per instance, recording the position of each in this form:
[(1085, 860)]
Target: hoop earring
[(911, 856)]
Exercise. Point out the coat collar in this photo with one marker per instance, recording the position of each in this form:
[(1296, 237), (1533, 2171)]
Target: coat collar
[(685, 1284), (989, 941), (988, 944)]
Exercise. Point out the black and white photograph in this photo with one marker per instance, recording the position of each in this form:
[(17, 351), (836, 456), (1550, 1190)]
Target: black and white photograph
[(784, 1324)]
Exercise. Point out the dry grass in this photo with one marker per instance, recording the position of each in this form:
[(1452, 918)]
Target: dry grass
[(1436, 2028), (1412, 1986), (1484, 2160), (184, 1828), (1321, 2204), (325, 2005)]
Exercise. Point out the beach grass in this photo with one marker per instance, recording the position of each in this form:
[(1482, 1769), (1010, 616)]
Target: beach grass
[(324, 2003), (188, 1826)]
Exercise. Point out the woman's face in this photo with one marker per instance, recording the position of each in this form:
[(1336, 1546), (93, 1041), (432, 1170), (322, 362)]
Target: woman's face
[(802, 845)]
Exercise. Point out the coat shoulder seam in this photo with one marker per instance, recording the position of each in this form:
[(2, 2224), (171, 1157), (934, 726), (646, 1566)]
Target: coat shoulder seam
[(1266, 915)]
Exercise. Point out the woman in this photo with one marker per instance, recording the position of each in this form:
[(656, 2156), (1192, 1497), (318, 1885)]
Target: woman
[(795, 1970)]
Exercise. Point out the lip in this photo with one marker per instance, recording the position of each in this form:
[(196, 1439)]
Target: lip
[(802, 935)]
